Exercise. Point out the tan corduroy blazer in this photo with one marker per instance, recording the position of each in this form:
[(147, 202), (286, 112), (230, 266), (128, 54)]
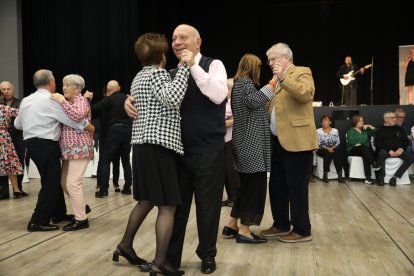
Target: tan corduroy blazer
[(292, 106)]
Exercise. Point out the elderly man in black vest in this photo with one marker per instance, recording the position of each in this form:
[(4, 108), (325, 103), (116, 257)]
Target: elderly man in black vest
[(202, 166)]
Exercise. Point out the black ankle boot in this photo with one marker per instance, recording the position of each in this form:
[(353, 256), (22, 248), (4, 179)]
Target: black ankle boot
[(325, 177)]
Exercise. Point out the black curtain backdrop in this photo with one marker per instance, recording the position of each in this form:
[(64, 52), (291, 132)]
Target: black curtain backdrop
[(95, 38)]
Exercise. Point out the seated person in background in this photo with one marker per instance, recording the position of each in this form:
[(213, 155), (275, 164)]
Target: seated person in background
[(391, 141), (328, 140), (400, 121), (357, 144)]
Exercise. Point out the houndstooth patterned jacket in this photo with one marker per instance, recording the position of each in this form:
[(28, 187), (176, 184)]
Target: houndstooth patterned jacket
[(158, 100)]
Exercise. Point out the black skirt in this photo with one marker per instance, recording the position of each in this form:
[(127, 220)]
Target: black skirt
[(155, 174), (250, 199)]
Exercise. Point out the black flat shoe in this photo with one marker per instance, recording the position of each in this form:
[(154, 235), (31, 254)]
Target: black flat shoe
[(161, 270), (33, 227), (65, 217), (134, 260), (255, 239), (18, 194), (76, 225), (229, 232)]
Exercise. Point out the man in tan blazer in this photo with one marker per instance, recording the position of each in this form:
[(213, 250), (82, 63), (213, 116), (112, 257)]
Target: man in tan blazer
[(294, 139)]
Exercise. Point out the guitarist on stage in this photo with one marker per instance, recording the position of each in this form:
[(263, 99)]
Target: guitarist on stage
[(349, 84)]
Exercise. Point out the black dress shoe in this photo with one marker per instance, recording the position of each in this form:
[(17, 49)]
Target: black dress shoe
[(208, 265), (116, 187), (126, 191), (76, 225), (65, 217), (229, 232), (255, 239), (101, 194), (134, 260), (33, 227), (393, 181)]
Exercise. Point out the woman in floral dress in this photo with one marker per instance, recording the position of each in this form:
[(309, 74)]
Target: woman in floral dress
[(9, 161)]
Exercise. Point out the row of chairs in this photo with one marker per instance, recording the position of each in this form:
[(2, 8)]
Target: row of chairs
[(356, 169)]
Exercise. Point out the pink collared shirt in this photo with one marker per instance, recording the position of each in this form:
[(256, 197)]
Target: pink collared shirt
[(229, 115), (212, 84)]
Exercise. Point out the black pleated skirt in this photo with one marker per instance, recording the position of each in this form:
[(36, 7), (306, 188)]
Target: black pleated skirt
[(155, 174)]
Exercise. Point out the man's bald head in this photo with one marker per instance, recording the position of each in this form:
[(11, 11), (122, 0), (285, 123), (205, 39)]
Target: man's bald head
[(111, 87)]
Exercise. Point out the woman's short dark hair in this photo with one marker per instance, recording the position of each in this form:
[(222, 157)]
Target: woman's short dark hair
[(150, 48), (326, 116)]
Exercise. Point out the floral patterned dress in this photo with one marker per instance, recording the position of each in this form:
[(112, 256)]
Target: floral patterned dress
[(9, 161)]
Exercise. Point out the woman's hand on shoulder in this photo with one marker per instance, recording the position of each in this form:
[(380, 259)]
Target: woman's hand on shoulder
[(57, 97)]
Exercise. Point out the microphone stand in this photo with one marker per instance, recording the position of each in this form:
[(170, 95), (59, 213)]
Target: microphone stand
[(372, 80)]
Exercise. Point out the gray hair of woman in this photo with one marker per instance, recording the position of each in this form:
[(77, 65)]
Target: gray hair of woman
[(75, 80)]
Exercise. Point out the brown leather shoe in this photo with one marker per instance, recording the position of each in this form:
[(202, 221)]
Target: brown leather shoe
[(272, 232), (294, 237)]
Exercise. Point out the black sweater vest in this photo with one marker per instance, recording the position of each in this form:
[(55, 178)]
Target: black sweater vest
[(202, 121)]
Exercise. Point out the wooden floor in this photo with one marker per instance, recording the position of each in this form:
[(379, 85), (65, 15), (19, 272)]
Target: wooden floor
[(357, 229)]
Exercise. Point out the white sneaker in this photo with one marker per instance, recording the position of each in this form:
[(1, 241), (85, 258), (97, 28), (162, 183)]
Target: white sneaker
[(369, 181), (376, 166)]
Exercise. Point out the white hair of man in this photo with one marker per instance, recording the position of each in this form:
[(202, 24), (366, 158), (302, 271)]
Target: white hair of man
[(282, 50)]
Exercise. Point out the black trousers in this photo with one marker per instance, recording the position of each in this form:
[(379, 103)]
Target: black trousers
[(50, 202), (407, 156), (115, 162), (118, 140), (288, 187), (20, 147), (201, 175), (232, 179), (367, 157), (327, 159)]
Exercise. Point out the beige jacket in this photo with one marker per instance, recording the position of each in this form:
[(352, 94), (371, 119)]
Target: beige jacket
[(292, 106)]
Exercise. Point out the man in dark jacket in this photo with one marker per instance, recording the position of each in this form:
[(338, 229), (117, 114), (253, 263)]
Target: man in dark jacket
[(392, 141)]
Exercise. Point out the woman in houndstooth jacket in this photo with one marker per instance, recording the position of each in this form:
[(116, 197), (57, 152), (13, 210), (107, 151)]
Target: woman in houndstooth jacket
[(251, 146), (156, 141)]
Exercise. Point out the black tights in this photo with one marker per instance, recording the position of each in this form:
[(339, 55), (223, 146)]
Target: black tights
[(163, 229)]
